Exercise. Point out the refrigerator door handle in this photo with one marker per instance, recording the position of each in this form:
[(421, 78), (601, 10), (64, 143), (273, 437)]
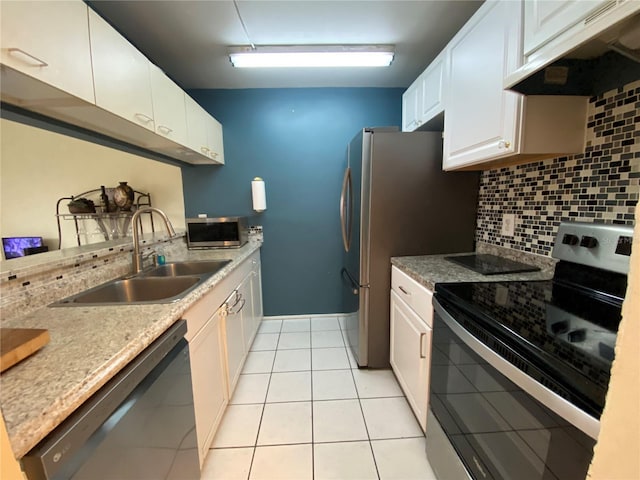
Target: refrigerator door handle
[(346, 203), (354, 285)]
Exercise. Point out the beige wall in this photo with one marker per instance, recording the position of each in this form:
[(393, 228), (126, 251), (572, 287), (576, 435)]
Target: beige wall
[(617, 453), (39, 166)]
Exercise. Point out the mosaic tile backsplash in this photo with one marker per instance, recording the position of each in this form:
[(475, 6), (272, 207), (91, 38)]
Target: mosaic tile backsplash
[(26, 290), (600, 185)]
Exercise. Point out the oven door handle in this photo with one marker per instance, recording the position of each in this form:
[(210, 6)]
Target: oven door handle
[(553, 401)]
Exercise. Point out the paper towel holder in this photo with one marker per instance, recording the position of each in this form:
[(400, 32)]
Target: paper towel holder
[(258, 195)]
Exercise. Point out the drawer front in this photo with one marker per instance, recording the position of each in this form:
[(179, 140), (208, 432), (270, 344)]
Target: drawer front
[(199, 313), (415, 295)]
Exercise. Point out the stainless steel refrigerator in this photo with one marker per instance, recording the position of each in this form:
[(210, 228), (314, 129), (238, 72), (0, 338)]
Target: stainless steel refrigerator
[(395, 201)]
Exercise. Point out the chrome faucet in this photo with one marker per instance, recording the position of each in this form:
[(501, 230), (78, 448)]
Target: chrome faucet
[(135, 221)]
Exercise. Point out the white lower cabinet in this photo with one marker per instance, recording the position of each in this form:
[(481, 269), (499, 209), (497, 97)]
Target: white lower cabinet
[(209, 381), (218, 337), (256, 293), (411, 341), (243, 320), (234, 331)]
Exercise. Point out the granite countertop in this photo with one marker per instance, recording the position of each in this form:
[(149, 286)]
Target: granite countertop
[(431, 269), (88, 346)]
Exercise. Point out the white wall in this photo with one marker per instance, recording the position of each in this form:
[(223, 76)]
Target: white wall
[(38, 166)]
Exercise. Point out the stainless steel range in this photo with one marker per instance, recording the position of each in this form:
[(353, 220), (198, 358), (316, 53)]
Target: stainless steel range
[(520, 370)]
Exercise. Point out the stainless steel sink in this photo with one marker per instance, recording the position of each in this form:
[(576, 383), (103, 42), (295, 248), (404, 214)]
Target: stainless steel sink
[(162, 284), (136, 290), (176, 269)]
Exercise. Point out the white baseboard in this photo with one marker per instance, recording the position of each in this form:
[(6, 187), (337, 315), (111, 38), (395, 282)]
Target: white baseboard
[(297, 317)]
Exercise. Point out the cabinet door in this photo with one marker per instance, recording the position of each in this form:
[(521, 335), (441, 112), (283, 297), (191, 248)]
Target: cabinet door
[(248, 320), (209, 382), (482, 120), (215, 144), (256, 292), (546, 19), (49, 41), (410, 106), (432, 86), (169, 113), (410, 355), (235, 345), (121, 74), (197, 137)]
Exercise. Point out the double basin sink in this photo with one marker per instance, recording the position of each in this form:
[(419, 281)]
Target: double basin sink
[(162, 284)]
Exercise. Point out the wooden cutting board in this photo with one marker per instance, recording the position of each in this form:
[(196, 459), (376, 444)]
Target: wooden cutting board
[(16, 344)]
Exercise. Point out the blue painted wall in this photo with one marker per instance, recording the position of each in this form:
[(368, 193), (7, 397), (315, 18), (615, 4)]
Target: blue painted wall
[(296, 140)]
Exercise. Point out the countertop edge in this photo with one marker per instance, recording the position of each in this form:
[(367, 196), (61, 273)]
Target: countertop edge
[(429, 270), (24, 435)]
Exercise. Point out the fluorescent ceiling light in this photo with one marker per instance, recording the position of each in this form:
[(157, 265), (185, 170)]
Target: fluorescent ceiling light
[(312, 56)]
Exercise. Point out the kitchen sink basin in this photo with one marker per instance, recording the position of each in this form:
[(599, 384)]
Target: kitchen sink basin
[(134, 291), (176, 269)]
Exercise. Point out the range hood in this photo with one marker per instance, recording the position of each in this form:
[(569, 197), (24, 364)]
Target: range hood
[(585, 63)]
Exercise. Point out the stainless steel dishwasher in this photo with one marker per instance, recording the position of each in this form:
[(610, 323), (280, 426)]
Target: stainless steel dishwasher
[(140, 425)]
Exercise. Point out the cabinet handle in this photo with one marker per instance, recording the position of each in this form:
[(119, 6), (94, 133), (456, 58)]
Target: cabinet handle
[(241, 301), (422, 337), (164, 129), (403, 290), (504, 144), (39, 63), (141, 117), (204, 150)]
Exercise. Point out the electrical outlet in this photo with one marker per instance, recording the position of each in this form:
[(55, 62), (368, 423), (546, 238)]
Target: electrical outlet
[(508, 224), (502, 295)]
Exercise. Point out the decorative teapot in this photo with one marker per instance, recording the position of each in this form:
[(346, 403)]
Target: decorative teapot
[(123, 196)]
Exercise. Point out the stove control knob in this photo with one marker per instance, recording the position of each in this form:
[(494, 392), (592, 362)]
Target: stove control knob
[(577, 336), (569, 239), (560, 327), (589, 242)]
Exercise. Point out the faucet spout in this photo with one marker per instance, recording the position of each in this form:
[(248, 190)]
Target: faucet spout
[(135, 222)]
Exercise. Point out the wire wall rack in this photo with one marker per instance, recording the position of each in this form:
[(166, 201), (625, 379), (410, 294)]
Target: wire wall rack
[(107, 221)]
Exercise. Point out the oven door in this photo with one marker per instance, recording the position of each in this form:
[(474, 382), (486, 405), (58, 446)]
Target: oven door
[(489, 420)]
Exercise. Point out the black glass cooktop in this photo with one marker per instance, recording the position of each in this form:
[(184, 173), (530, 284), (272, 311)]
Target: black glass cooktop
[(558, 327), (487, 264)]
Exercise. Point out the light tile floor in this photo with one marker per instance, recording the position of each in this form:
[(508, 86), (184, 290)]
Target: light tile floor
[(303, 410)]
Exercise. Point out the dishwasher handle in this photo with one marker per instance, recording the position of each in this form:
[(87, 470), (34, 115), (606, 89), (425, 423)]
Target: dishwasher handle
[(51, 455)]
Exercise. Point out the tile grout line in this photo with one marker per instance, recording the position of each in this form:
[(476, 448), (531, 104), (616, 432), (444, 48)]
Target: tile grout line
[(313, 445), (264, 404), (364, 419)]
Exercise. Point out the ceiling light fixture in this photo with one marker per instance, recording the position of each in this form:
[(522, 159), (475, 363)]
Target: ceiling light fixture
[(305, 56)]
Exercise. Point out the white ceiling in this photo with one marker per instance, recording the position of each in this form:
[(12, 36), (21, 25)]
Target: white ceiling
[(189, 39)]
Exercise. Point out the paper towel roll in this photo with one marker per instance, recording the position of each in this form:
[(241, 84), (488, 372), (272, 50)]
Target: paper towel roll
[(258, 194)]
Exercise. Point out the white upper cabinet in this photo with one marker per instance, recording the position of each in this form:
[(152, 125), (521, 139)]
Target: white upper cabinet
[(62, 60), (554, 29), (432, 83), (169, 112), (48, 41), (410, 103), (481, 121), (121, 74), (486, 126), (214, 139), (196, 129), (424, 99), (545, 19), (204, 134)]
